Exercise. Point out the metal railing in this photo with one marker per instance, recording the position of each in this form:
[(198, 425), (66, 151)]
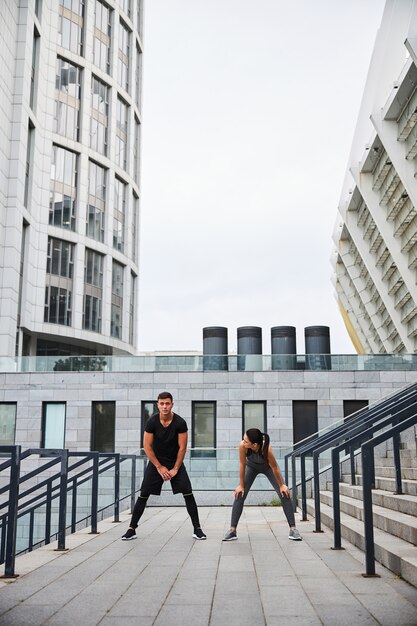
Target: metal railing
[(359, 435), (47, 493)]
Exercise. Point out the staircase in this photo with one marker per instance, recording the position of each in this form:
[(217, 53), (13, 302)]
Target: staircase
[(394, 516)]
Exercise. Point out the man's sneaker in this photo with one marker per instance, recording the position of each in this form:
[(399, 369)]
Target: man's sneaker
[(295, 535), (198, 534), (129, 535), (230, 535)]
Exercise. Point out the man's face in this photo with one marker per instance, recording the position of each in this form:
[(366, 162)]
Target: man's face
[(165, 406)]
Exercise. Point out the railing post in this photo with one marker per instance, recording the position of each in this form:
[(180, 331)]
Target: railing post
[(116, 487), (74, 505), (94, 494), (367, 474), (303, 488), (286, 467), (317, 513), (62, 515), (397, 464), (294, 482), (10, 556), (352, 466), (48, 513), (133, 485), (336, 500)]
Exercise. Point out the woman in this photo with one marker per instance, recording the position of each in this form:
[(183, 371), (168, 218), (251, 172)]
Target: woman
[(256, 457)]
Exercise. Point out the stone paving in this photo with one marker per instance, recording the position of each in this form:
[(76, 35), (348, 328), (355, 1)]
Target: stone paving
[(166, 578)]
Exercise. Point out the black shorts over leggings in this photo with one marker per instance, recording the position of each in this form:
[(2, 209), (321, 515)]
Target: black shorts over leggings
[(152, 481)]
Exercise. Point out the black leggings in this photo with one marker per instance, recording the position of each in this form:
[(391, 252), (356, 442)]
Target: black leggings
[(250, 474), (141, 502)]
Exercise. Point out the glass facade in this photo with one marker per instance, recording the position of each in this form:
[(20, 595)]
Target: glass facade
[(254, 416), (121, 133), (71, 25), (117, 300), (103, 426), (123, 58), (99, 118), (58, 290), (93, 290), (7, 423), (63, 194), (119, 211), (67, 99), (96, 201), (102, 36), (204, 425)]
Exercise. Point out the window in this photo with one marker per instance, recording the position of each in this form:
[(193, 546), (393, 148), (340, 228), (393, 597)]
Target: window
[(123, 59), (116, 300), (67, 99), (351, 406), (63, 194), (103, 426), (93, 290), (136, 152), (304, 416), (70, 27), (148, 408), (96, 202), (99, 118), (58, 290), (34, 69), (102, 36), (53, 425), (125, 6), (254, 416), (121, 133), (29, 159), (203, 428), (59, 260), (7, 423), (119, 214), (134, 226), (138, 77), (132, 308)]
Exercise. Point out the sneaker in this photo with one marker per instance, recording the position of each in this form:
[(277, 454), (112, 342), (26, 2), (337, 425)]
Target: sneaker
[(295, 535), (129, 535), (198, 534), (230, 535)]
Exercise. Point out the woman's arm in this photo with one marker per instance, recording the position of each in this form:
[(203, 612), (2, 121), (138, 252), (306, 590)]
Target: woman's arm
[(240, 489), (277, 473)]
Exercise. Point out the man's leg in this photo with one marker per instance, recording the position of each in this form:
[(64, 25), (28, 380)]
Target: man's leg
[(151, 484), (181, 484), (138, 510)]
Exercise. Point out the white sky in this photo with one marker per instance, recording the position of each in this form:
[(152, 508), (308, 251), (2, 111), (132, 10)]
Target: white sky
[(249, 110)]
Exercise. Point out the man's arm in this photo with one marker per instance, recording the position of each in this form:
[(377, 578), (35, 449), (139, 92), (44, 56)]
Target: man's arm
[(182, 442), (148, 447)]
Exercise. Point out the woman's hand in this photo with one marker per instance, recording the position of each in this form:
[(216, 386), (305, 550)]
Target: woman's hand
[(285, 492), (239, 492)]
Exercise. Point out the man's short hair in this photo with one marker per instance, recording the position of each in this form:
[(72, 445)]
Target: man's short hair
[(165, 395)]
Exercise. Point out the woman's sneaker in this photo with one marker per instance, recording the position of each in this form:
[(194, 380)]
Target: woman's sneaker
[(230, 535), (295, 535), (198, 534), (129, 535)]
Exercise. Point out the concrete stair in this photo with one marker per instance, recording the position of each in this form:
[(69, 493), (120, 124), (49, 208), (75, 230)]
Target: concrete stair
[(394, 516)]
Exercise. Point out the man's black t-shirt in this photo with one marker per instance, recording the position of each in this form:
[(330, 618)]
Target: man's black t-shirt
[(165, 440)]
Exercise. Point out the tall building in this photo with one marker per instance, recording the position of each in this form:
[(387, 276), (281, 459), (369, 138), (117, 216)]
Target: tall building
[(70, 127), (375, 261)]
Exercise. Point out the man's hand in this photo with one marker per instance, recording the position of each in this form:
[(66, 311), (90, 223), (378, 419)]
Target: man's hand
[(173, 472), (164, 472)]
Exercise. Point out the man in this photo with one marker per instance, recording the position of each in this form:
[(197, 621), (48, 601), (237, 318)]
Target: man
[(165, 444)]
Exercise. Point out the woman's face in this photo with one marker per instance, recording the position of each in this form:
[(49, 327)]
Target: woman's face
[(248, 444)]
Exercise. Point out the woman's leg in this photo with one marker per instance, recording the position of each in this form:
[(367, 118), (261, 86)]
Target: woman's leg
[(250, 475), (286, 502)]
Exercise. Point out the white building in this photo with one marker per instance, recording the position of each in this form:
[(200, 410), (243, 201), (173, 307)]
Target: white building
[(375, 260), (70, 124)]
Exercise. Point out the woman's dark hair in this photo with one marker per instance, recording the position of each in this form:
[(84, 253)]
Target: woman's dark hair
[(262, 439)]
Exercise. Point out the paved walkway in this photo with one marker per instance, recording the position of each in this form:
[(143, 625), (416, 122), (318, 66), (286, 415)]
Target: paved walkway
[(165, 578)]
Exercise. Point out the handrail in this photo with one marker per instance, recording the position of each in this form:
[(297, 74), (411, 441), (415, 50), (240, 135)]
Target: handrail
[(359, 434), (368, 469), (57, 486)]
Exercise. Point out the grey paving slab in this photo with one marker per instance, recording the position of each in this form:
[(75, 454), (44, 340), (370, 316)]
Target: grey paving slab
[(165, 577)]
